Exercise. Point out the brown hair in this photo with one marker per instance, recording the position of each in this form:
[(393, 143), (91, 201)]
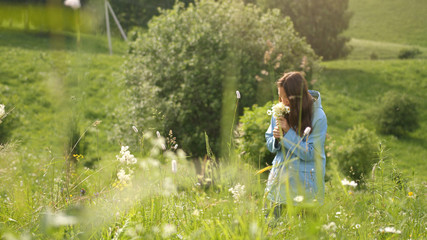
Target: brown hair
[(301, 102)]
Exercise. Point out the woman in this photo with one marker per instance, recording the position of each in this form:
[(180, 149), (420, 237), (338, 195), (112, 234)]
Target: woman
[(298, 140)]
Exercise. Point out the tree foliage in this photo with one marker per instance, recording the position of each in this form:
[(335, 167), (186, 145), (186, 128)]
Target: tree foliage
[(182, 73), (321, 22)]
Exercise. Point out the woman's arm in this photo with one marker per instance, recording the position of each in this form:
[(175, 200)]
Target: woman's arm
[(272, 144), (313, 147)]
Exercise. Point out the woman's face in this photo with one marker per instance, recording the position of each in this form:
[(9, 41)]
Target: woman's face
[(282, 96)]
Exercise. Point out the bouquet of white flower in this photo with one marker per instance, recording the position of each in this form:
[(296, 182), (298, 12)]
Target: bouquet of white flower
[(279, 110)]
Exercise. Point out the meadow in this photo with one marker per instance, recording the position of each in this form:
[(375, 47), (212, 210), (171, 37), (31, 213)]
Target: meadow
[(51, 82)]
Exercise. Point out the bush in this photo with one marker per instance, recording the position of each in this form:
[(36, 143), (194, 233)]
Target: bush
[(187, 66), (357, 154), (408, 53), (373, 56), (397, 114), (253, 125)]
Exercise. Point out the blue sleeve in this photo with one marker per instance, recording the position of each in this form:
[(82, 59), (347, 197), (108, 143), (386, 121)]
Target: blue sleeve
[(313, 146), (272, 144)]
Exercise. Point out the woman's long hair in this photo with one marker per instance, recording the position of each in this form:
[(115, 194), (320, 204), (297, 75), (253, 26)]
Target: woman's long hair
[(301, 102)]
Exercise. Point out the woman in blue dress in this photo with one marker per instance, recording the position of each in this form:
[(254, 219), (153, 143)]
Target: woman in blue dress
[(298, 139)]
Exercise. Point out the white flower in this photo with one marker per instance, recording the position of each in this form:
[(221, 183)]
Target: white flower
[(307, 131), (298, 198), (331, 226), (158, 134), (238, 191), (135, 129), (74, 4), (2, 111), (174, 166), (168, 230), (196, 213), (175, 147), (345, 182), (126, 157), (238, 94), (279, 110), (163, 146), (389, 230), (122, 176), (59, 219), (357, 226)]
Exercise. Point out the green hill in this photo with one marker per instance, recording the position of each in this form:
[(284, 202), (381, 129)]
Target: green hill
[(350, 92), (396, 21), (383, 28)]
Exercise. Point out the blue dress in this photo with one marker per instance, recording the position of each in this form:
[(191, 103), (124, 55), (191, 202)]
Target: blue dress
[(302, 168)]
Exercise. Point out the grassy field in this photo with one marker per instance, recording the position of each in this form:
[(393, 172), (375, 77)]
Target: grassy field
[(52, 82), (351, 90), (395, 21), (385, 28)]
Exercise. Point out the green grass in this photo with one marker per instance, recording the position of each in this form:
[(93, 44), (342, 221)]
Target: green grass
[(362, 49), (395, 21), (48, 86), (51, 79), (350, 93)]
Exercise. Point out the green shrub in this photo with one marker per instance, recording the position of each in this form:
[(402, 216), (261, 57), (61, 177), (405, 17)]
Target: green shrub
[(408, 53), (357, 154), (187, 66), (253, 125), (373, 56), (397, 114)]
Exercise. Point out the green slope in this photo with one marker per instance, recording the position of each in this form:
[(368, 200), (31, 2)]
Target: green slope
[(396, 21), (350, 91)]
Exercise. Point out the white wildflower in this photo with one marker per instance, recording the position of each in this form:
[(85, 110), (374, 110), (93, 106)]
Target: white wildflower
[(59, 219), (345, 182), (2, 111), (298, 198), (357, 226), (238, 94), (307, 131), (168, 230), (174, 166), (126, 157), (74, 4), (175, 147), (158, 134), (196, 213), (135, 129), (279, 110), (122, 176), (163, 146), (330, 227), (238, 191), (389, 230)]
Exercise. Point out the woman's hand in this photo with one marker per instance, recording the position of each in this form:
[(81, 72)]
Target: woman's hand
[(283, 124)]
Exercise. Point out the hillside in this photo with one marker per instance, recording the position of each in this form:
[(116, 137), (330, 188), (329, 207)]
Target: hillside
[(385, 28), (395, 21), (51, 81)]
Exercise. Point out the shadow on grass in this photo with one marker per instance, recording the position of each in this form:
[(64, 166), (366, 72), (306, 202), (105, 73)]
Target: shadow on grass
[(45, 41)]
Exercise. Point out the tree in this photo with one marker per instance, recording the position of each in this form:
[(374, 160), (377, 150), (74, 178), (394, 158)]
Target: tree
[(321, 22), (183, 72)]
